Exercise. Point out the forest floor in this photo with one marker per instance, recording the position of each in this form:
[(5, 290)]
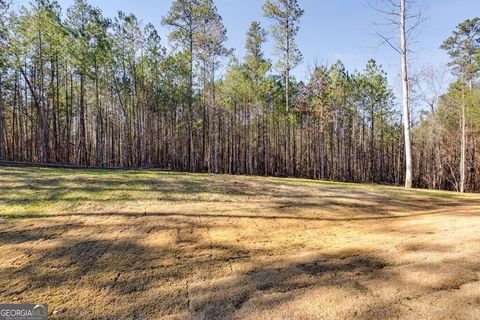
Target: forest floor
[(156, 245)]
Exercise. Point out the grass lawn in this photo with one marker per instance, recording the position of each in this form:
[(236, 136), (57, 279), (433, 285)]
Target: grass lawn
[(156, 245)]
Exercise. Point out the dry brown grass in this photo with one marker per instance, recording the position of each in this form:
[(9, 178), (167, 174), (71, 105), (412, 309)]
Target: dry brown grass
[(150, 245)]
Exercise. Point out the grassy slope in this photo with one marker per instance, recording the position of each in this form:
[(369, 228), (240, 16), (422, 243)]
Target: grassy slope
[(156, 245), (27, 192)]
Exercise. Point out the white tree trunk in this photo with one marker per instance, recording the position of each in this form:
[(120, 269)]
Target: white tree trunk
[(462, 156), (406, 108)]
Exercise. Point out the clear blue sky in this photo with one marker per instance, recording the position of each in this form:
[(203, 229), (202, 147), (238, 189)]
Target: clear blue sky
[(330, 30)]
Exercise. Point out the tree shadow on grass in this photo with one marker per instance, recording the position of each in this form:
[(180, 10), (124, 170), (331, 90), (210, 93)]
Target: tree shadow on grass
[(226, 214), (148, 283), (100, 264), (105, 268), (49, 188)]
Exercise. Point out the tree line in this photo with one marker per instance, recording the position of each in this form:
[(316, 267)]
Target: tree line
[(83, 89)]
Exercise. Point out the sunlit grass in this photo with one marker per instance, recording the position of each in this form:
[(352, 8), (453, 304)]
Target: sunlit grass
[(51, 191), (180, 245)]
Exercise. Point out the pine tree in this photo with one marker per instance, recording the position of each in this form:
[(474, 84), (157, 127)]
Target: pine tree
[(185, 18), (286, 15), (464, 47)]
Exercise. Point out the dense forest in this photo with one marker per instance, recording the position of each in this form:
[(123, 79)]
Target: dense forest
[(82, 89)]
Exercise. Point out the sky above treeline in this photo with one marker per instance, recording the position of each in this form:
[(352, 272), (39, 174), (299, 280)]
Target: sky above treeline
[(329, 30)]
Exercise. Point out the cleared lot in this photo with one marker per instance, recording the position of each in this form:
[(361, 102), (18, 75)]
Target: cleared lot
[(147, 245)]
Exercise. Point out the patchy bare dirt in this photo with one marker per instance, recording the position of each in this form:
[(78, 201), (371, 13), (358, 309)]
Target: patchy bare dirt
[(116, 245)]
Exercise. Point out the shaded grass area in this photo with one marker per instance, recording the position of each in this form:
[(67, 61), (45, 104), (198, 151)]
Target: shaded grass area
[(158, 245)]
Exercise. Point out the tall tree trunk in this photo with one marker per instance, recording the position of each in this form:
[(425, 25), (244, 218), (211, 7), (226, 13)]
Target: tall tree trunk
[(287, 104), (205, 124), (2, 136), (216, 114), (405, 88), (463, 146), (99, 122), (42, 108), (82, 152), (191, 157)]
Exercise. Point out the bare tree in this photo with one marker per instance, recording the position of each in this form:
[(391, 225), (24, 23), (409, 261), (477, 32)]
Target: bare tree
[(406, 16), (427, 87), (4, 5)]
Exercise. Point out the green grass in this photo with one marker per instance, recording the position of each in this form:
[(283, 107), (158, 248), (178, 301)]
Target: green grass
[(31, 191)]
